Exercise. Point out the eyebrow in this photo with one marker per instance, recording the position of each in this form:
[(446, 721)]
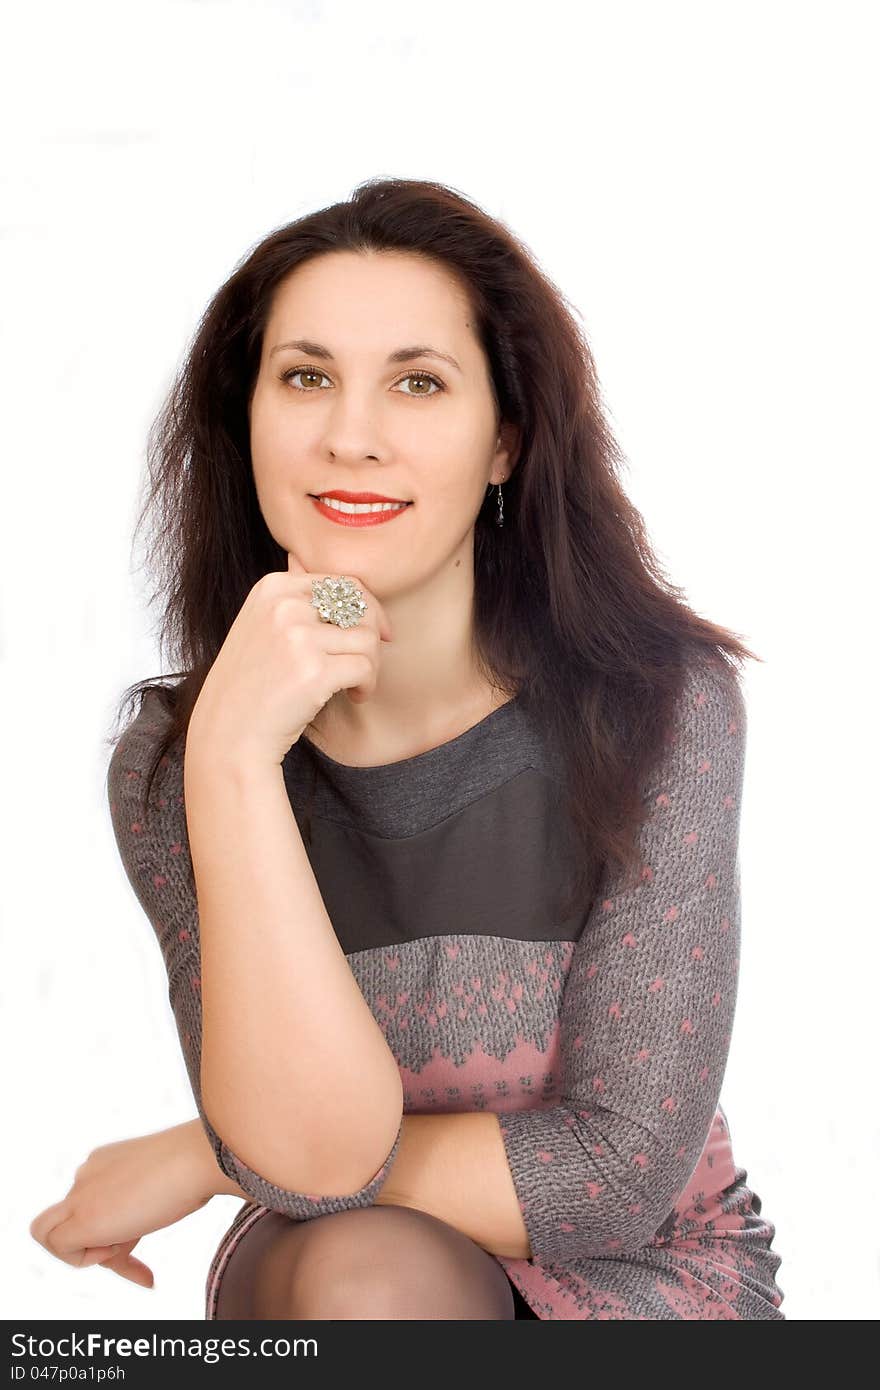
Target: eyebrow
[(404, 354)]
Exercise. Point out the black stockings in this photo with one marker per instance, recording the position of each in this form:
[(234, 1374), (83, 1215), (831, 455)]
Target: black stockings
[(380, 1262)]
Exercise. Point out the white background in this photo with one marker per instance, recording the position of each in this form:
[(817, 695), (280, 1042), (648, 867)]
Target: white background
[(700, 180)]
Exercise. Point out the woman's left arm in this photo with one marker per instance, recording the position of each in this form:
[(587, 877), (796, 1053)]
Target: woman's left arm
[(648, 1006)]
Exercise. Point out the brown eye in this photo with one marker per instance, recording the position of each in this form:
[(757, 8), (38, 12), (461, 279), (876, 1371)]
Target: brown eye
[(302, 371), (422, 376)]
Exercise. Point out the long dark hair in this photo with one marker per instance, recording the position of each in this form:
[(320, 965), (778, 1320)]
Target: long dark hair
[(572, 609)]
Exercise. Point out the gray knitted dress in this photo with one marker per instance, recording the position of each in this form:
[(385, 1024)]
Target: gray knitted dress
[(601, 1040)]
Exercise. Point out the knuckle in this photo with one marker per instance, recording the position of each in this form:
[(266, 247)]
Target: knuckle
[(312, 673), (298, 633), (279, 615)]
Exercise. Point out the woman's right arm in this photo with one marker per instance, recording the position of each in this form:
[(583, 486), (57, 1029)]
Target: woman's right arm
[(296, 1073), (154, 850)]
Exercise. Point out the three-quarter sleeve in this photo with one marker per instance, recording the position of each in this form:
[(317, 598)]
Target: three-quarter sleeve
[(156, 859), (648, 1005)]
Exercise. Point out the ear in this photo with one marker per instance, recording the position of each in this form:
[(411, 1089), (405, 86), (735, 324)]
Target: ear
[(508, 445)]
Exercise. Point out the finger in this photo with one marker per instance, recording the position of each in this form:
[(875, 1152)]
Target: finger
[(46, 1219), (95, 1255), (65, 1242), (129, 1268)]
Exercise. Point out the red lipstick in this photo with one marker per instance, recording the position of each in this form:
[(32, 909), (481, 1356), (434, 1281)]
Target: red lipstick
[(369, 518)]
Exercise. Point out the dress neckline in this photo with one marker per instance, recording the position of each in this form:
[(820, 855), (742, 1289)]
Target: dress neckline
[(451, 745)]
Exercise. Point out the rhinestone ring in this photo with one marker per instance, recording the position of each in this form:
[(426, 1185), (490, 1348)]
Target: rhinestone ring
[(338, 600)]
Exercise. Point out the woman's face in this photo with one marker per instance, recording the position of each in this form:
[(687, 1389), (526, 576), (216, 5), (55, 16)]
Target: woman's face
[(339, 414)]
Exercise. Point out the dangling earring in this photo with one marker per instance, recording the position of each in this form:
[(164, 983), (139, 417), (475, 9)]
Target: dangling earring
[(499, 519)]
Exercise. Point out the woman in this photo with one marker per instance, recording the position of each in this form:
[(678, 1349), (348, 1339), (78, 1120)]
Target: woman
[(445, 1087)]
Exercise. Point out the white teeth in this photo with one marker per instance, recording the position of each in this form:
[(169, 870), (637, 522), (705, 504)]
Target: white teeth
[(355, 507)]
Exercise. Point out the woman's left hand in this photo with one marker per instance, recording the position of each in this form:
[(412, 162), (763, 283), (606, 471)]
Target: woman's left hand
[(120, 1193)]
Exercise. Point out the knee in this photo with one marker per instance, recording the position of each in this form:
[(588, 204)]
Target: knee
[(344, 1263), (358, 1288), (393, 1262)]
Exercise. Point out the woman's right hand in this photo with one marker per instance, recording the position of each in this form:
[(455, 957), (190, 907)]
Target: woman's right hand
[(280, 664)]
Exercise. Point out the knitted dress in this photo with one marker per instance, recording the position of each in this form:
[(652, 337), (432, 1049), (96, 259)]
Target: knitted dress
[(600, 1039)]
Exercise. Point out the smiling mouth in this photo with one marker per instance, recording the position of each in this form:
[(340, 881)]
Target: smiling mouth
[(358, 515)]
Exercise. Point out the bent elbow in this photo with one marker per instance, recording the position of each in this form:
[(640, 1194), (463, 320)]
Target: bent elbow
[(344, 1170)]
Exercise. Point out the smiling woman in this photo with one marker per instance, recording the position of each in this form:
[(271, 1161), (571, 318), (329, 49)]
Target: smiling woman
[(521, 851), (434, 441)]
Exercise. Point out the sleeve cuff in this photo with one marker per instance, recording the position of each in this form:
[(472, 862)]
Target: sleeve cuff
[(301, 1206)]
